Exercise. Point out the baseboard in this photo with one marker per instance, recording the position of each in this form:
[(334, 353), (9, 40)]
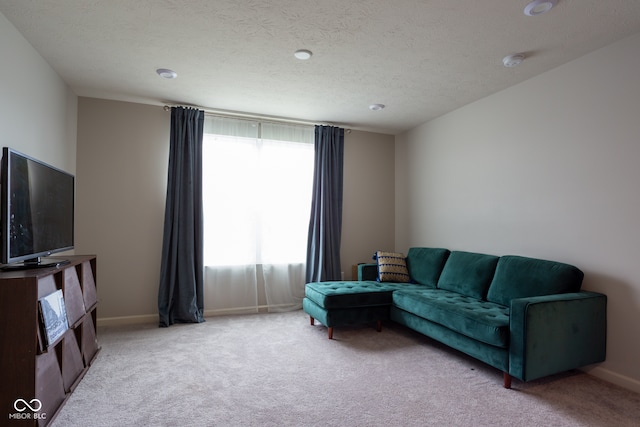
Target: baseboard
[(231, 311), (127, 320), (153, 318), (615, 378), (251, 310)]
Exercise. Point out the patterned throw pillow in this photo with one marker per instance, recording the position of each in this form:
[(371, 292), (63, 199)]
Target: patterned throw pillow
[(392, 267)]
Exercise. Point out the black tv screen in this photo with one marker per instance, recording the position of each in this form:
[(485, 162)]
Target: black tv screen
[(37, 209)]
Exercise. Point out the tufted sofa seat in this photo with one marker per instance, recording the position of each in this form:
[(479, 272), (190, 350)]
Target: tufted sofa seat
[(524, 316), (485, 321)]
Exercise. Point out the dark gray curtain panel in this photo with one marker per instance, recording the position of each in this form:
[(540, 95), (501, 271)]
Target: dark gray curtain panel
[(180, 294), (325, 225)]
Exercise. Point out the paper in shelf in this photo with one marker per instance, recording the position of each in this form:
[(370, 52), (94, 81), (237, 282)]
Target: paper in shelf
[(54, 316)]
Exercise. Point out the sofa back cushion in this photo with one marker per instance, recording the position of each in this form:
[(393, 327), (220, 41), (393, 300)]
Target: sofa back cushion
[(521, 277), (468, 273), (425, 264)]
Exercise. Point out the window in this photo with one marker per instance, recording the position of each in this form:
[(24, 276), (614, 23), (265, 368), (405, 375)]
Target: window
[(257, 200), (257, 187)]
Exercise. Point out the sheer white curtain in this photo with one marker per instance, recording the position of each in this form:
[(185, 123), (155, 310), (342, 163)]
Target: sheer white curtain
[(257, 180)]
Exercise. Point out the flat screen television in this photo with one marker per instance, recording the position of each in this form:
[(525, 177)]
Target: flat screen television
[(37, 211)]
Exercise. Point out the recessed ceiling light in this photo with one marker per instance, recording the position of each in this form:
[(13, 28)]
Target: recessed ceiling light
[(513, 60), (166, 73), (303, 54), (538, 7), (376, 107)]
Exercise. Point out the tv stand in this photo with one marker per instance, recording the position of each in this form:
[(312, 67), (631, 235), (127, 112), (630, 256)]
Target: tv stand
[(36, 263), (38, 376)]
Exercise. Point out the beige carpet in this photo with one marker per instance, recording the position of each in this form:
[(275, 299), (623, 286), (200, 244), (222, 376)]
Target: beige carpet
[(277, 370)]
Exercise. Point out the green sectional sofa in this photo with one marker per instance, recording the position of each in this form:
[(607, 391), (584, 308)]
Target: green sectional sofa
[(524, 316)]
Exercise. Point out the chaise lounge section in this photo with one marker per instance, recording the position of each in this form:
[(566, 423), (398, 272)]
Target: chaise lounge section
[(524, 316)]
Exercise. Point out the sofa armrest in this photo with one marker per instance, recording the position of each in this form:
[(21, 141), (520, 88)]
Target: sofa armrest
[(367, 271), (556, 333)]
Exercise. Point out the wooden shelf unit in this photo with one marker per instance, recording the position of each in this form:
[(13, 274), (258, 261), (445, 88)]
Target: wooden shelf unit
[(36, 377)]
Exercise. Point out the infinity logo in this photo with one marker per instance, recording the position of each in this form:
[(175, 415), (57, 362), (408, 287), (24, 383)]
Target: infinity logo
[(21, 405)]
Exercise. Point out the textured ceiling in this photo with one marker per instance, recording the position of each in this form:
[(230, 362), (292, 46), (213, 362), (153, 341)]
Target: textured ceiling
[(421, 58)]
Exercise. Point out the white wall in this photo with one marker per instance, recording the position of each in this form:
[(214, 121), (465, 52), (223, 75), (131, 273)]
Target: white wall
[(368, 199), (548, 169), (123, 157), (37, 109)]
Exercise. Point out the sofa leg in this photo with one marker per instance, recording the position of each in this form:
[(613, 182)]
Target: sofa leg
[(379, 326), (330, 332), (507, 380), (312, 320)]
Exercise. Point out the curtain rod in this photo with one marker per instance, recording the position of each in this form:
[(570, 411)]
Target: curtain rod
[(247, 116)]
